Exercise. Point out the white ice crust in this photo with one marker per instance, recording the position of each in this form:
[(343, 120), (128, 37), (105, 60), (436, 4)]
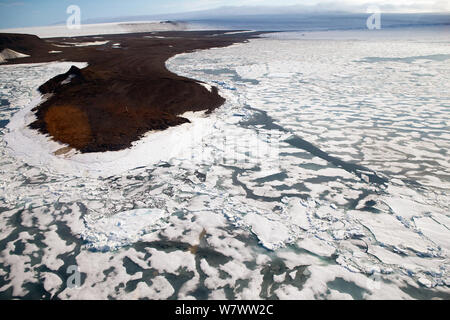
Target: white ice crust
[(121, 229)]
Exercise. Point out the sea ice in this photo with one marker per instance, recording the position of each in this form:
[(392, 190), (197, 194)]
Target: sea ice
[(109, 233), (211, 219)]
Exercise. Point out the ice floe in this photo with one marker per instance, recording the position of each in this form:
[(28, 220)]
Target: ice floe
[(109, 233)]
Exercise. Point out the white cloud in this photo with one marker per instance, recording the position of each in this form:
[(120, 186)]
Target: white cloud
[(11, 4)]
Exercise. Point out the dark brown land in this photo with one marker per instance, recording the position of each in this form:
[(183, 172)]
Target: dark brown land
[(124, 92)]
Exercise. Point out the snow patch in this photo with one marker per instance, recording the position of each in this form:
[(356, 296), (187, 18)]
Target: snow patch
[(8, 54)]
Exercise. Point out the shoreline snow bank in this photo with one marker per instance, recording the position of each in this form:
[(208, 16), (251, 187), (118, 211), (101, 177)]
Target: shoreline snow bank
[(8, 54), (39, 150)]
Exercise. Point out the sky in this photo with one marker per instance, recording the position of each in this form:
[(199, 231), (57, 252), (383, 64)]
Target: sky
[(26, 13)]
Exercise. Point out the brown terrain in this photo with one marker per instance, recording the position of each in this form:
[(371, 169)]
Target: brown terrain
[(124, 92)]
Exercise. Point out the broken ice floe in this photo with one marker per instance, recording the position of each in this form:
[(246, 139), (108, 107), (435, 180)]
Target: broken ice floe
[(121, 229)]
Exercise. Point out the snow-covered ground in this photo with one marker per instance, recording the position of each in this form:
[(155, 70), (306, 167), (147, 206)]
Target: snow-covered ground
[(41, 151), (325, 175), (97, 29), (8, 54)]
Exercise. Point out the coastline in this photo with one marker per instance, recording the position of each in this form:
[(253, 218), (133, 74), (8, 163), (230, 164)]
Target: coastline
[(126, 89), (41, 151)]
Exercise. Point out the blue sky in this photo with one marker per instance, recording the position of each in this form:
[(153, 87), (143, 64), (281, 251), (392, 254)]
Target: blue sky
[(24, 13)]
